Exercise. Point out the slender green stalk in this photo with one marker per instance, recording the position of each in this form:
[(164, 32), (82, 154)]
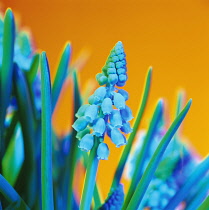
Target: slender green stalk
[(6, 73), (60, 74), (90, 178), (140, 160), (204, 205), (199, 195), (31, 74), (155, 160), (25, 115), (74, 150), (11, 195), (193, 179), (127, 149), (46, 142)]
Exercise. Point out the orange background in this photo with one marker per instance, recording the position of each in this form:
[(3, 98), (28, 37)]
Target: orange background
[(172, 36)]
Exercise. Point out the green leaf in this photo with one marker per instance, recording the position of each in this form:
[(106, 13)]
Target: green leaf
[(46, 141), (154, 162)]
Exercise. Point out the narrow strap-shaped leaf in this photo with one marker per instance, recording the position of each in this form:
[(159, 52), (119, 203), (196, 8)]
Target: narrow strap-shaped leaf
[(11, 195), (127, 149), (46, 138), (30, 75), (27, 173), (204, 205), (199, 195), (193, 179), (6, 71), (157, 156), (140, 160), (90, 178), (74, 150), (60, 74)]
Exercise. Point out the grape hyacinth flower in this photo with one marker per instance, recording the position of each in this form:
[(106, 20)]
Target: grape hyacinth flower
[(107, 112)]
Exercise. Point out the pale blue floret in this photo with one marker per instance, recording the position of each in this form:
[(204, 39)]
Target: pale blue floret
[(119, 101), (117, 137), (99, 127), (91, 113), (93, 100), (82, 133), (124, 94), (100, 93), (126, 114), (111, 71), (115, 119), (86, 143), (113, 79), (80, 124), (121, 71), (126, 128), (122, 77), (81, 110), (103, 151), (106, 106)]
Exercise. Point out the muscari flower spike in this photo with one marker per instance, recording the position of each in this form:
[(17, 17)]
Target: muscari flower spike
[(114, 200), (107, 112)]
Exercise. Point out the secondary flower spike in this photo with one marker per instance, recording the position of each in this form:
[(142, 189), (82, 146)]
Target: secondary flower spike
[(107, 112)]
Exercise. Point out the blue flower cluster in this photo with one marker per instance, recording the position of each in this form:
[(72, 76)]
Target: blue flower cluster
[(175, 167), (115, 199), (107, 112)]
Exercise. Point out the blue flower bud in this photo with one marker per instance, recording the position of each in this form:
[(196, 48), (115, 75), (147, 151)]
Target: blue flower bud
[(119, 101), (124, 94), (111, 71), (121, 71), (81, 110), (106, 106), (86, 143), (122, 78), (82, 133), (103, 151), (115, 119), (119, 65), (80, 124), (113, 79), (126, 128), (100, 93), (126, 114), (111, 65), (115, 58), (91, 113), (93, 100), (120, 84), (102, 80), (117, 137), (99, 127), (121, 57)]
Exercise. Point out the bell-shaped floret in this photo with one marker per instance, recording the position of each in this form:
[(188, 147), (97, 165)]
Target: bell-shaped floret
[(117, 137), (113, 79), (115, 119), (121, 71), (91, 113), (124, 94), (101, 79), (99, 127), (126, 128), (122, 78), (82, 133), (103, 151), (119, 101), (100, 93), (81, 110), (86, 143), (80, 124), (106, 106), (93, 100), (126, 114)]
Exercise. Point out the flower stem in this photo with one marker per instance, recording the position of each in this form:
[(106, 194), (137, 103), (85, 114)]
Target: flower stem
[(90, 178)]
